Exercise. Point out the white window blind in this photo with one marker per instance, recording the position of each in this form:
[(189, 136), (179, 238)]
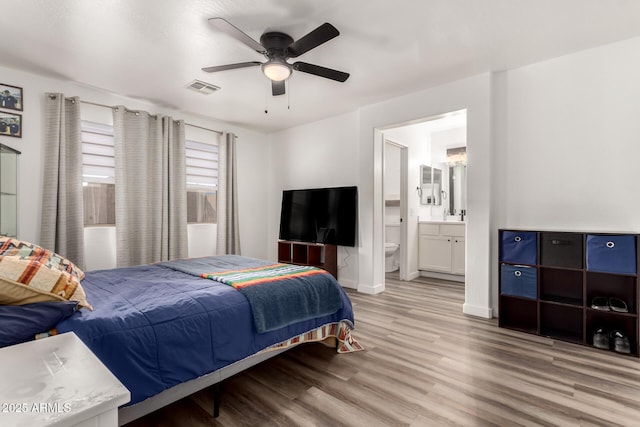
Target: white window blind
[(98, 155), (202, 166), (98, 158), (98, 175)]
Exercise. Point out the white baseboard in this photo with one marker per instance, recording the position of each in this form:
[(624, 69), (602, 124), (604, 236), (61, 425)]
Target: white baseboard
[(474, 310), (413, 275), (347, 283), (369, 289), (444, 276)]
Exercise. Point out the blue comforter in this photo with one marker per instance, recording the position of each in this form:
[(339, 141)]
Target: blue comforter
[(155, 327)]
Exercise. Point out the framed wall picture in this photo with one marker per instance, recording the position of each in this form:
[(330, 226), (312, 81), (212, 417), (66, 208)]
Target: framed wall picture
[(10, 97), (10, 124)]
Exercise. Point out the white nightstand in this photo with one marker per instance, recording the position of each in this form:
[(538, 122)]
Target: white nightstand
[(57, 381)]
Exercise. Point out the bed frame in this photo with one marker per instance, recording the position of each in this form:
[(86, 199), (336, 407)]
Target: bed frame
[(126, 414)]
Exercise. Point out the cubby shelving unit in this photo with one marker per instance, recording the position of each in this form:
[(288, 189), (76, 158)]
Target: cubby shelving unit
[(311, 254), (547, 287)]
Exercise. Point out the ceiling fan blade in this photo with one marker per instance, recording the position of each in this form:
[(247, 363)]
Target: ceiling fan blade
[(315, 38), (230, 30), (320, 71), (231, 66), (277, 88)]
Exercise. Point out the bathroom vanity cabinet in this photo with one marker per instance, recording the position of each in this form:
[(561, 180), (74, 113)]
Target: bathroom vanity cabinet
[(441, 247), (548, 281)]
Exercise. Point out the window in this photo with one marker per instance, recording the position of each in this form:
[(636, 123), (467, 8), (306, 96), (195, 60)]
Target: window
[(202, 182), (98, 176)]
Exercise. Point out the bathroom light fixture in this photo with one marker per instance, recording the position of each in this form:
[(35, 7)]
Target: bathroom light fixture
[(276, 70), (457, 156)]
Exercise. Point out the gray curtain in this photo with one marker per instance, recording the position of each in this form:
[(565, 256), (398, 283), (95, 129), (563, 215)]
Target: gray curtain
[(228, 228), (151, 195), (62, 226)]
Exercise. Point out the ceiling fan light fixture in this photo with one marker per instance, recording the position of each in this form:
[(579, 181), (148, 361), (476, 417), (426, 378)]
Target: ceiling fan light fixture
[(276, 71), (277, 48)]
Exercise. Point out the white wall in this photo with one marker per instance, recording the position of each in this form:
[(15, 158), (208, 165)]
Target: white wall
[(320, 154), (568, 143), (251, 150)]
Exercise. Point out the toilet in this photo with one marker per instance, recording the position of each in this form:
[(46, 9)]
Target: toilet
[(392, 247)]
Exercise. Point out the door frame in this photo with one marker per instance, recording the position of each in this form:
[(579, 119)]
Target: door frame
[(379, 140), (404, 166)]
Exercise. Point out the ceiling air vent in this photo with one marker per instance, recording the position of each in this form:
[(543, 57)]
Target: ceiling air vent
[(203, 87)]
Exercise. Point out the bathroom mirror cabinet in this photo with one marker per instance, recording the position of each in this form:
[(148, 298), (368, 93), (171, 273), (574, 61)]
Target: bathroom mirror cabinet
[(430, 185)]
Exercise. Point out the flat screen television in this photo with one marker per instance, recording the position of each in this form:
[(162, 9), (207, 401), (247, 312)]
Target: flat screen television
[(320, 215)]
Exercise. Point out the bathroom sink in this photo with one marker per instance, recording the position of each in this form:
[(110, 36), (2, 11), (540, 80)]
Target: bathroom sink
[(452, 218)]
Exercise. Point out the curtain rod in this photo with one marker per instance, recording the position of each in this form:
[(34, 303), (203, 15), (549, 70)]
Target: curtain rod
[(203, 128), (113, 106)]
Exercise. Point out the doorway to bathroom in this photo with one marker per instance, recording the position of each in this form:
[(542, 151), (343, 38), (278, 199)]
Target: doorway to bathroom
[(432, 197), (395, 209)]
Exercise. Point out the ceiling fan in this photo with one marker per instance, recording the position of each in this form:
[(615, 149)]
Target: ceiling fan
[(277, 48)]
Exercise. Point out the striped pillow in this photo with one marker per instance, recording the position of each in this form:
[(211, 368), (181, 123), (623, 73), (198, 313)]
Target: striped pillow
[(31, 274), (15, 247)]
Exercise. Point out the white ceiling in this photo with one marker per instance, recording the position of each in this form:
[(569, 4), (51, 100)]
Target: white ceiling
[(151, 49)]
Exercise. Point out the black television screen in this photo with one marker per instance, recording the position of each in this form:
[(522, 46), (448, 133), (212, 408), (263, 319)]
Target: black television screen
[(320, 215)]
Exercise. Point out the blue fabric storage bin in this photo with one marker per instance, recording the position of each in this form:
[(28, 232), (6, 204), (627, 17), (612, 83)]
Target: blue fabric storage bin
[(611, 254), (519, 280), (519, 247)]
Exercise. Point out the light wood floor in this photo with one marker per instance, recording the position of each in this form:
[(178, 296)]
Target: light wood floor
[(426, 364)]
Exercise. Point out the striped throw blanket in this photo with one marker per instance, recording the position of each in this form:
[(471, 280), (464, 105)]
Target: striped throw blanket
[(286, 294), (258, 275)]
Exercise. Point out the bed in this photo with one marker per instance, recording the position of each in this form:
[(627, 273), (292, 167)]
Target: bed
[(167, 330)]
